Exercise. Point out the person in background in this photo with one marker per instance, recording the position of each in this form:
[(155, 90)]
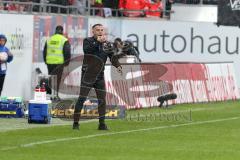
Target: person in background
[(154, 8), (60, 3), (5, 57), (168, 7), (138, 5), (11, 7), (113, 4), (1, 5), (79, 5), (96, 4), (57, 54)]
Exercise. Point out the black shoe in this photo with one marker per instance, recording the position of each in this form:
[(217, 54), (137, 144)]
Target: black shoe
[(102, 126), (75, 126), (56, 99)]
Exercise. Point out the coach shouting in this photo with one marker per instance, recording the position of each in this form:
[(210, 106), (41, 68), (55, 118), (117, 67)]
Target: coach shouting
[(93, 74)]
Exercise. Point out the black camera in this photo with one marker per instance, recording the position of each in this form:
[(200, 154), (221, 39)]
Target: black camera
[(108, 47)]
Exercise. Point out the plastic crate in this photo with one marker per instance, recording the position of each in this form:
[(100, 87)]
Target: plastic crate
[(39, 111)]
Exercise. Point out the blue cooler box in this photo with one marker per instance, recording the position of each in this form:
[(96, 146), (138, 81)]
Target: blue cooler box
[(11, 107), (39, 111)]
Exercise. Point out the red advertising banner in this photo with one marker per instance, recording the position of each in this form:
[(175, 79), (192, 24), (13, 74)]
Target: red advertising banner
[(141, 85)]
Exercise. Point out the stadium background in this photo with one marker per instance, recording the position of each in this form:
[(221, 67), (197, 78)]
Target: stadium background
[(160, 41), (199, 61)]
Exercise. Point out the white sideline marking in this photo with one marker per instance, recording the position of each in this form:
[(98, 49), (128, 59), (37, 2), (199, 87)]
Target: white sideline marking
[(115, 133), (12, 127)]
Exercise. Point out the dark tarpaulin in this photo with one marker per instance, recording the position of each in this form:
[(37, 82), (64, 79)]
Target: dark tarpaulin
[(229, 12)]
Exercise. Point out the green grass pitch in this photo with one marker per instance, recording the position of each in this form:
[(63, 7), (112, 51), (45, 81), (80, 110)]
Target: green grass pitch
[(206, 131)]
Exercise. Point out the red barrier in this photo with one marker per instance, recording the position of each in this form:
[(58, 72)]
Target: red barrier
[(192, 82)]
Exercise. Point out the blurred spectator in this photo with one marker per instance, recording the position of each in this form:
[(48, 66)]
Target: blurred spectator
[(10, 6), (132, 5), (25, 7), (1, 5), (53, 9), (113, 4), (36, 7), (154, 9), (14, 6), (41, 7), (168, 7), (63, 3), (60, 3), (71, 2), (96, 4), (78, 5), (110, 3)]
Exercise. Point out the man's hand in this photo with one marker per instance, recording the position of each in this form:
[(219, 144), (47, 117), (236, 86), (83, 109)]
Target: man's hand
[(119, 70), (102, 38)]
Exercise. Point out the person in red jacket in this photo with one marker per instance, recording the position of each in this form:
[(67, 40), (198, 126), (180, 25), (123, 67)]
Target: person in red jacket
[(152, 9), (133, 5)]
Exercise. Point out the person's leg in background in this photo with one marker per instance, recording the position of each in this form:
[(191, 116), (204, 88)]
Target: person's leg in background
[(2, 78), (101, 95), (57, 70)]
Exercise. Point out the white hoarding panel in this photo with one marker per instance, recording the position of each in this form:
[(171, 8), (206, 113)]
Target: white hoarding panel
[(166, 41), (19, 32)]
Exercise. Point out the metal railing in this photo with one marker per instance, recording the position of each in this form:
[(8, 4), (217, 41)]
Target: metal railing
[(31, 7), (201, 2), (85, 9)]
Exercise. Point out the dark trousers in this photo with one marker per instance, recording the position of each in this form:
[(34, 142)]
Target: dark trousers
[(2, 78), (99, 86), (56, 69)]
